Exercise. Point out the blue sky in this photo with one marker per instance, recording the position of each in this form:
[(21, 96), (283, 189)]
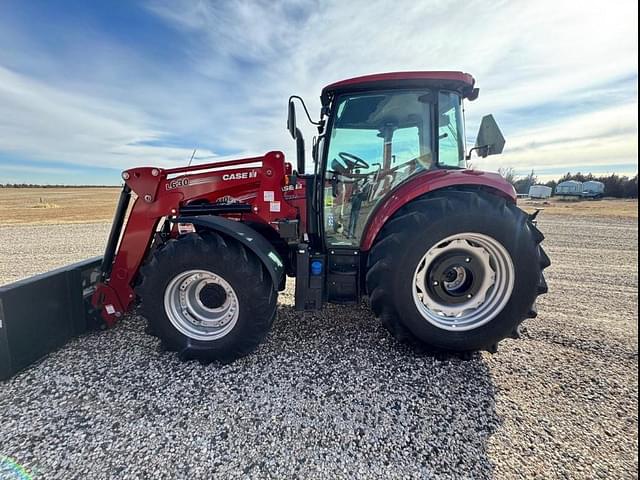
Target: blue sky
[(88, 89)]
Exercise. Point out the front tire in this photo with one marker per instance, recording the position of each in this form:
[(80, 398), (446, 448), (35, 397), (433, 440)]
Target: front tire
[(457, 271), (207, 297)]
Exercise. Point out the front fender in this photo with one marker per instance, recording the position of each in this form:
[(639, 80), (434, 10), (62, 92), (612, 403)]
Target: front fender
[(246, 235), (426, 182)]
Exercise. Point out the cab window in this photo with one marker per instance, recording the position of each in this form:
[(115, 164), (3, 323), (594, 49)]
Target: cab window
[(450, 133), (378, 140)]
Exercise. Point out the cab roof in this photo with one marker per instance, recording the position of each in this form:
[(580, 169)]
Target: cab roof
[(451, 80)]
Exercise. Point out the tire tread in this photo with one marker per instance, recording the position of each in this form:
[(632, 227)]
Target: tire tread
[(204, 245), (417, 215)]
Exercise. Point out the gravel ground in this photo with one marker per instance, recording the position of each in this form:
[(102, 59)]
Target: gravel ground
[(26, 250), (333, 396)]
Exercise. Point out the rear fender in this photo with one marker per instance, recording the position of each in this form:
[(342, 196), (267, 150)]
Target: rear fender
[(426, 182), (246, 235)]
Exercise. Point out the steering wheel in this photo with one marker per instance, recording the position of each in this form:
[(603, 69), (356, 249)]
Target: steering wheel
[(352, 161)]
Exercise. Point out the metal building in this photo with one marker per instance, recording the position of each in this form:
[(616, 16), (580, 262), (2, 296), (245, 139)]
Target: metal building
[(540, 191), (570, 187), (593, 188)]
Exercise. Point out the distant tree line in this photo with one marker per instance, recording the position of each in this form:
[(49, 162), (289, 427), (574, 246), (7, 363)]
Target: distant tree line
[(35, 185), (614, 185)]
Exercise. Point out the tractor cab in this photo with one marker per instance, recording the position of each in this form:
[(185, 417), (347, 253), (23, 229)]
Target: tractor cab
[(376, 134), (376, 141)]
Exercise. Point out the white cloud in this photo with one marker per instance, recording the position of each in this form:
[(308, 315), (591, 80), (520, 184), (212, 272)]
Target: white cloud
[(46, 123), (524, 54), (604, 137)]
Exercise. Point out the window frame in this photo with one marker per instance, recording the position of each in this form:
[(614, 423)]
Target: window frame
[(335, 102), (462, 133), (328, 129)]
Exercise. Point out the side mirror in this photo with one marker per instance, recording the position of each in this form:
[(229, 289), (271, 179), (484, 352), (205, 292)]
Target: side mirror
[(291, 120), (490, 140), (295, 132)]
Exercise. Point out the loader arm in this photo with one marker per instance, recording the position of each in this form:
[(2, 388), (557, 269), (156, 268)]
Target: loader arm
[(250, 188)]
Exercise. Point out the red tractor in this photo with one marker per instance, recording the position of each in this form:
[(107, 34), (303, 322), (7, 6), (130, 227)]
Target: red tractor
[(390, 212)]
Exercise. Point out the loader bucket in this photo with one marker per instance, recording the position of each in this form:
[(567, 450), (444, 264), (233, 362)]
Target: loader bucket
[(41, 313)]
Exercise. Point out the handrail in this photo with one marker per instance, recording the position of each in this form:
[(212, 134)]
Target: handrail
[(207, 166)]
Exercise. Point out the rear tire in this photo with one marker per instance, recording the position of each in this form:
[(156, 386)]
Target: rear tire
[(421, 289), (207, 297)]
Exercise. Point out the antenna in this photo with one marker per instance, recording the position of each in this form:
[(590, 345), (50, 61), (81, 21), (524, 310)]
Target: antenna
[(192, 155)]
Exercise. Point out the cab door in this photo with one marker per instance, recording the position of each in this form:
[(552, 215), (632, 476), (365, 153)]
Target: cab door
[(377, 140)]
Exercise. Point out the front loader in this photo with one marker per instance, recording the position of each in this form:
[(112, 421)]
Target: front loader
[(390, 212)]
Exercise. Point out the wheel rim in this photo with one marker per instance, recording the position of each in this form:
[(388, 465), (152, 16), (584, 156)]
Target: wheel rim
[(201, 305), (463, 282)]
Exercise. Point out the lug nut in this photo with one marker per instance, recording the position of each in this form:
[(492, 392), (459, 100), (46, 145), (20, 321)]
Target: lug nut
[(467, 260)]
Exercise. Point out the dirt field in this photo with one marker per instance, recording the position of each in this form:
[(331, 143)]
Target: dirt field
[(607, 208), (331, 395), (57, 205)]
